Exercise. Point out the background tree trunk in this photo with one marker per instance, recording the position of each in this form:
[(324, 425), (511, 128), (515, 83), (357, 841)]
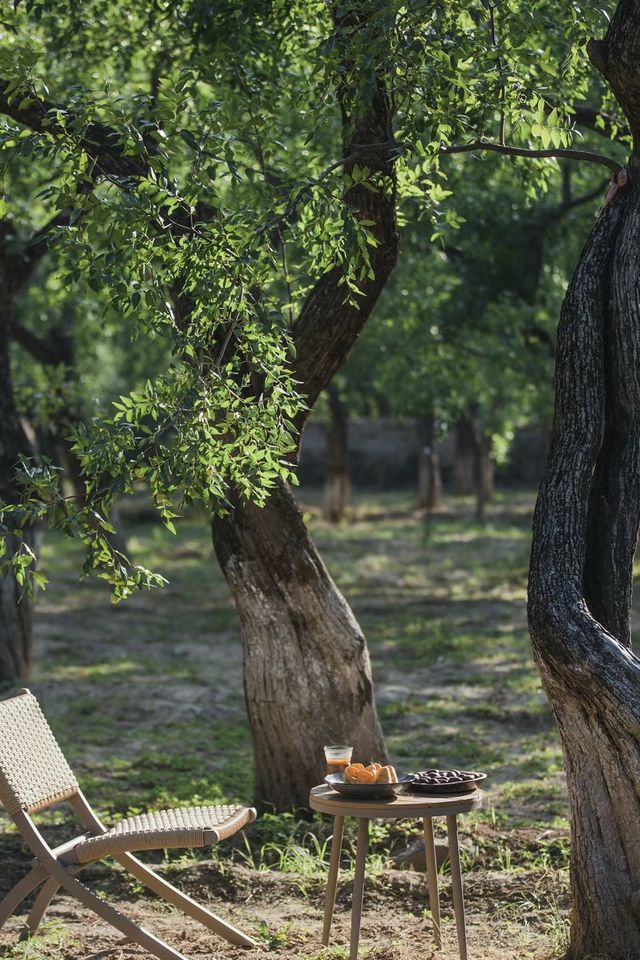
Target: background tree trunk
[(15, 608), (307, 674), (464, 458), (483, 471), (337, 483), (584, 539), (429, 474), (18, 262)]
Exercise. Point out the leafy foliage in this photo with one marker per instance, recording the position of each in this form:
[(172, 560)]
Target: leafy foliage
[(193, 158)]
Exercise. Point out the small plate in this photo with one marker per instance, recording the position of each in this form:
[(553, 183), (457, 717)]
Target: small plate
[(367, 791), (439, 789)]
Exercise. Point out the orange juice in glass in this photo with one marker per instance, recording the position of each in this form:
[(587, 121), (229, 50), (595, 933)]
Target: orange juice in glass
[(338, 757)]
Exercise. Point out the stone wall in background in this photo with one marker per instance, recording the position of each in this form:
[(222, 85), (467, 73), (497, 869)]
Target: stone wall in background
[(383, 454)]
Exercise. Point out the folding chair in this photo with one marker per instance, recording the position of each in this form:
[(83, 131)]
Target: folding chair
[(34, 775)]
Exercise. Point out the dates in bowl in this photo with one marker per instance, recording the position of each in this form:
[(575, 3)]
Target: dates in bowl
[(445, 781)]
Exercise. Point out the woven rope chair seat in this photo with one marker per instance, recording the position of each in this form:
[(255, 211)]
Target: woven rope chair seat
[(163, 829)]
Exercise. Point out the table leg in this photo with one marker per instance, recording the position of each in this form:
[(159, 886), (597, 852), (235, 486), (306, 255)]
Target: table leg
[(332, 879), (456, 884), (358, 885), (432, 878)]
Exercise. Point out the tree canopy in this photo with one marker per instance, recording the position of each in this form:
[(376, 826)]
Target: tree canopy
[(190, 166)]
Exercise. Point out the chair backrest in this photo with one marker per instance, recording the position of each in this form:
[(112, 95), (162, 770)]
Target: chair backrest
[(33, 771)]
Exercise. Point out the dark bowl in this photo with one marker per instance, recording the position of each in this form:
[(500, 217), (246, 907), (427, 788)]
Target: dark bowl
[(367, 791), (440, 789)]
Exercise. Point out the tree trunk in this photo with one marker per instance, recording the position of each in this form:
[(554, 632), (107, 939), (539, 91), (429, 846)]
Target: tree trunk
[(429, 474), (483, 471), (488, 468), (464, 458), (307, 672), (15, 608), (337, 483), (585, 534)]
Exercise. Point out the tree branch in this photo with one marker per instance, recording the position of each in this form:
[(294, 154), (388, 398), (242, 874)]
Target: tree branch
[(39, 242), (329, 323), (98, 141), (486, 145), (33, 344)]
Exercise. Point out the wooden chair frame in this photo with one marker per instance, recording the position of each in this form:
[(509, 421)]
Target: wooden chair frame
[(56, 867)]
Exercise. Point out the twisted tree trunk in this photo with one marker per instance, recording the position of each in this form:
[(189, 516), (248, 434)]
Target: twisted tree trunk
[(306, 667), (585, 533)]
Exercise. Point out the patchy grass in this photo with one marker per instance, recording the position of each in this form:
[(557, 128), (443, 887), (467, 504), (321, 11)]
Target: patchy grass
[(147, 700)]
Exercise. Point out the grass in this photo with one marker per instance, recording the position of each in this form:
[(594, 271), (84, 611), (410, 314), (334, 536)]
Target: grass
[(147, 699)]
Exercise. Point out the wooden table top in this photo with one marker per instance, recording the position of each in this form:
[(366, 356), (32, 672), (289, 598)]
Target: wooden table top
[(326, 800)]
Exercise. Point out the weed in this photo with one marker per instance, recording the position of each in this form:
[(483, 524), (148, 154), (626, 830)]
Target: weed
[(53, 938)]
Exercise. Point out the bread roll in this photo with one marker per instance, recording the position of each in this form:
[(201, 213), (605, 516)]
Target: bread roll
[(387, 775)]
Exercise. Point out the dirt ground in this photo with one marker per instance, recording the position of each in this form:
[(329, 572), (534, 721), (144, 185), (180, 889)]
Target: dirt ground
[(502, 919), (146, 699)]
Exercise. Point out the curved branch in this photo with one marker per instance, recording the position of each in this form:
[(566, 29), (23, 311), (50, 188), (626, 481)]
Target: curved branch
[(586, 156), (97, 140)]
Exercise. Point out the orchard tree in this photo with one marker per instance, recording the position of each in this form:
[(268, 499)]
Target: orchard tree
[(584, 540)]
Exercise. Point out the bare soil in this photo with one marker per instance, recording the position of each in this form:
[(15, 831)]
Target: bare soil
[(503, 913)]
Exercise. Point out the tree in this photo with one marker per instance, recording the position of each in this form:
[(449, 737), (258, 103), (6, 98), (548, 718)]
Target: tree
[(251, 378), (299, 635), (584, 539), (19, 258)]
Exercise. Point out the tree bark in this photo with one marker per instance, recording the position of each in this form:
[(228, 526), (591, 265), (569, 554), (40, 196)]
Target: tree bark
[(584, 539), (337, 484), (307, 672), (305, 656), (464, 458), (483, 471), (429, 473)]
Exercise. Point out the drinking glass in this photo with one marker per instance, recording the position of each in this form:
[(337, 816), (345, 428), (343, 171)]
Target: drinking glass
[(338, 757)]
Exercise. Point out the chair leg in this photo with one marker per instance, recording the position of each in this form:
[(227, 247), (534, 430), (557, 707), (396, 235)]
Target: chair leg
[(40, 907), (126, 926), (174, 896), (21, 890)]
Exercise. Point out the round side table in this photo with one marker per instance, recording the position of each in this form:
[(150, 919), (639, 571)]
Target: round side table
[(418, 806)]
